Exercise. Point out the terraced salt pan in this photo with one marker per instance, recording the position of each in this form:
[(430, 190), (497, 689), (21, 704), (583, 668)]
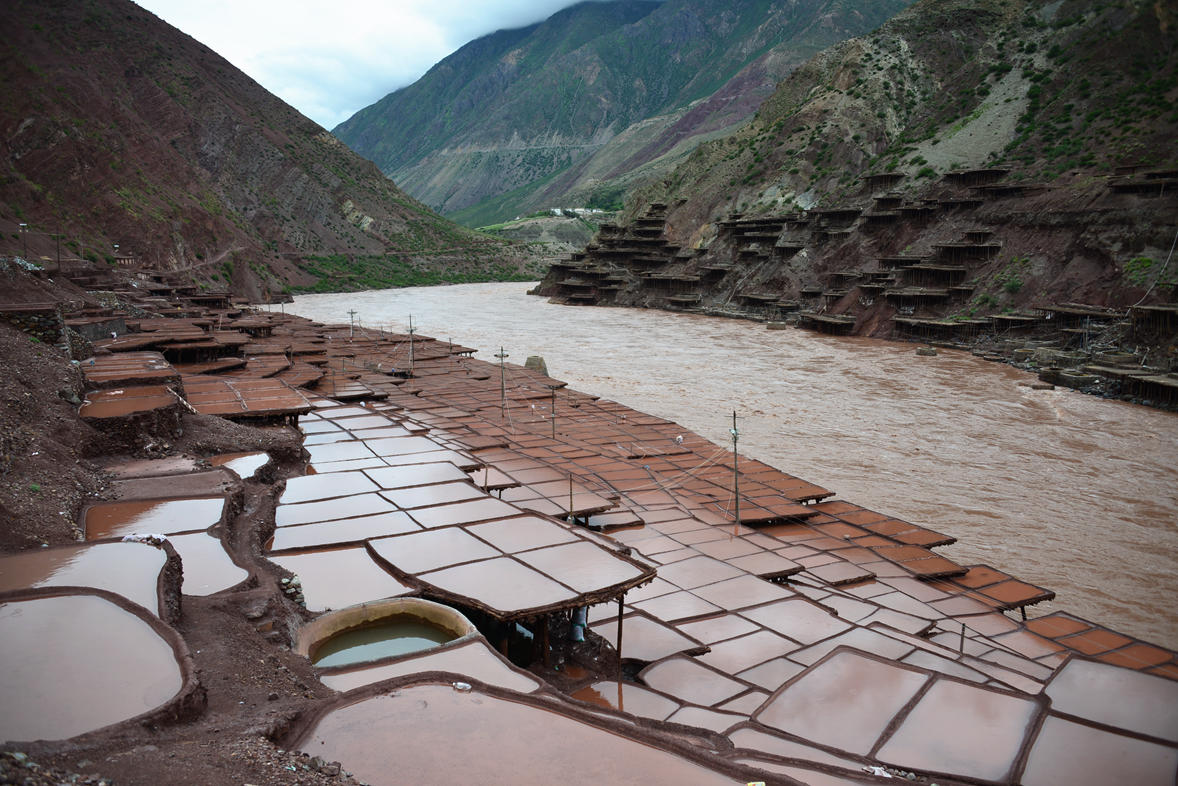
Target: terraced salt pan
[(335, 578), (207, 567), (480, 728)]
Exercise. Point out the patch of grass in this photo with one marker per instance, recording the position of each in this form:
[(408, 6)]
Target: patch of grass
[(345, 273), (1141, 272), (1010, 280)]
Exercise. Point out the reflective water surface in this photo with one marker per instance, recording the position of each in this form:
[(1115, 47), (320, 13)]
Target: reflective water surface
[(1067, 491), (76, 663), (396, 636)]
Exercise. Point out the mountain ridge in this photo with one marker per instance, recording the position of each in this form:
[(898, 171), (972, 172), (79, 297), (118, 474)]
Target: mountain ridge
[(546, 121)]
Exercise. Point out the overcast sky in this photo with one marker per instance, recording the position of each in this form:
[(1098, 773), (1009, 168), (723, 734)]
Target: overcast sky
[(331, 59)]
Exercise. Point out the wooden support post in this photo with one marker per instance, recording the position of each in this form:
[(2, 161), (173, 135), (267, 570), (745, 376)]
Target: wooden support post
[(502, 383), (735, 477), (619, 647), (411, 345)]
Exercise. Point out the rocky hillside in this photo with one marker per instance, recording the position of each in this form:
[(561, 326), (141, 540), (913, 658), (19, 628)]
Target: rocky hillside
[(118, 131), (971, 163), (1041, 88), (567, 113)]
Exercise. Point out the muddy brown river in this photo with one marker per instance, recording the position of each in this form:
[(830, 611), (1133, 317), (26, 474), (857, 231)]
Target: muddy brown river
[(1067, 491)]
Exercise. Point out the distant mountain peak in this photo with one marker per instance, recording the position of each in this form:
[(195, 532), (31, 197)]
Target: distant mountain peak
[(532, 118)]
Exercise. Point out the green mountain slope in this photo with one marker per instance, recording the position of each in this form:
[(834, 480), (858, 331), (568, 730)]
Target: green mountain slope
[(595, 92)]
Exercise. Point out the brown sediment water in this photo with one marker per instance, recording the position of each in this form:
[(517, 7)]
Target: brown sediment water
[(128, 569), (1068, 491), (76, 663), (126, 401), (458, 736), (166, 516)]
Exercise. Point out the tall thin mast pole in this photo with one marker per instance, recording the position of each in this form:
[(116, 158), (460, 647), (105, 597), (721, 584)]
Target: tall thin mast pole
[(735, 473), (502, 383), (410, 345)]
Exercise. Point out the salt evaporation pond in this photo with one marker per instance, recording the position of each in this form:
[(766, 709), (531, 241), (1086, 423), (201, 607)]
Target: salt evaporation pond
[(469, 737), (76, 663)]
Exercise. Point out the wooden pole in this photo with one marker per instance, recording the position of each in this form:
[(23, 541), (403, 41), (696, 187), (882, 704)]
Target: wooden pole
[(621, 598), (410, 345), (735, 476), (502, 383)]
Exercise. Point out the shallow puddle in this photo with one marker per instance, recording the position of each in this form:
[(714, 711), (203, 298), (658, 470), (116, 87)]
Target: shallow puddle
[(164, 516), (126, 401), (128, 569), (335, 578), (207, 567), (468, 737), (76, 663)]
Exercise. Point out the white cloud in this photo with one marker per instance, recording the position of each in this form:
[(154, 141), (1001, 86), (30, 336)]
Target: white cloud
[(329, 60)]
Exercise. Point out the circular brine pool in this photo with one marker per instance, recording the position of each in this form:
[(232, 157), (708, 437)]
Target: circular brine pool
[(382, 629), (396, 635)]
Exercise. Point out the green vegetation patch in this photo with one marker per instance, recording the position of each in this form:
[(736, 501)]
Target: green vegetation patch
[(1141, 272), (345, 273)]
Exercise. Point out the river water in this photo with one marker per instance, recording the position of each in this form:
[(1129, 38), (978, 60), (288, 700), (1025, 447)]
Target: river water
[(1067, 491)]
